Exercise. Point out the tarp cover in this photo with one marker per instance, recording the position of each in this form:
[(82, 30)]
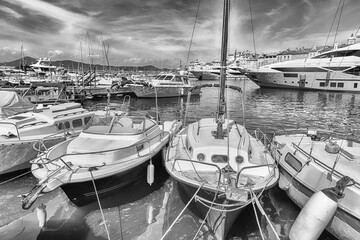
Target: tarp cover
[(11, 103)]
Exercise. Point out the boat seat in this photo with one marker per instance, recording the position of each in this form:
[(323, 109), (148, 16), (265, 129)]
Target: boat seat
[(126, 122)]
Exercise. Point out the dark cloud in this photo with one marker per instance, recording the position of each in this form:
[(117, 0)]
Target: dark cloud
[(152, 29), (30, 20)]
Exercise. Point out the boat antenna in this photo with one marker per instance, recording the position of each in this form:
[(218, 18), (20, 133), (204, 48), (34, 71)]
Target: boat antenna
[(222, 104)]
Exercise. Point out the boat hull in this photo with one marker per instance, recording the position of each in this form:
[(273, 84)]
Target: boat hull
[(161, 92), (219, 221), (311, 81), (15, 156), (82, 193)]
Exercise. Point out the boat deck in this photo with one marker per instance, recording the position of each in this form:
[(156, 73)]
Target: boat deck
[(348, 161)]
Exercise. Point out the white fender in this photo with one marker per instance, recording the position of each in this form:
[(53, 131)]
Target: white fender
[(314, 217), (150, 173), (41, 214)]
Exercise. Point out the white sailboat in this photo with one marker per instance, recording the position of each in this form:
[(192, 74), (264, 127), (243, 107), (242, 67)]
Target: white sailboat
[(218, 164)]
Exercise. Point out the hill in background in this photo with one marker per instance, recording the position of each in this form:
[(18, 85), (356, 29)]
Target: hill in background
[(74, 66)]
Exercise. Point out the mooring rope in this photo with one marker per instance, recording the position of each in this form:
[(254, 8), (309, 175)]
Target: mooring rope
[(182, 211), (23, 174), (207, 214), (264, 214), (98, 200), (255, 212)]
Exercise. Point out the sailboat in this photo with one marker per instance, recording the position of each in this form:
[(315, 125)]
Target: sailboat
[(220, 167)]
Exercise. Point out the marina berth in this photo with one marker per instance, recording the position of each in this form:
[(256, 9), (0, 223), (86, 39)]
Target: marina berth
[(319, 171), (111, 153), (334, 70), (25, 135), (163, 85)]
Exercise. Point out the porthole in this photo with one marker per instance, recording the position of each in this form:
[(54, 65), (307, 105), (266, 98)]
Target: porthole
[(201, 157)]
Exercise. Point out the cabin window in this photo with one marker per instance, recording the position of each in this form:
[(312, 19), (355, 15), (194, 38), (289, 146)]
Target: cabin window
[(291, 75), (355, 85), (322, 84), (67, 124), (200, 157), (219, 158), (293, 162), (60, 126), (333, 84), (77, 123), (178, 79), (340, 84), (86, 120), (239, 159)]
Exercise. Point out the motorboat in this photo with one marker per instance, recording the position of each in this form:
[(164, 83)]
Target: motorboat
[(111, 153), (315, 160), (25, 135), (334, 70), (163, 85), (41, 92), (219, 166), (43, 68)]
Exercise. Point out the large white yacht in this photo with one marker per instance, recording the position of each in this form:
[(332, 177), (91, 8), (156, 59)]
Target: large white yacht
[(334, 70)]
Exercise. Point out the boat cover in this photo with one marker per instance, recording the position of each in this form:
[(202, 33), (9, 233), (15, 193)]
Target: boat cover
[(12, 103)]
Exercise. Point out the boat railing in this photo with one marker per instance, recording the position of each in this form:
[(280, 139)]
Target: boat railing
[(317, 161), (40, 145), (271, 166), (327, 134), (193, 162), (10, 134), (262, 137)]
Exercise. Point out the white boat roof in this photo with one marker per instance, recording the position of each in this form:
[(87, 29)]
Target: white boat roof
[(49, 114)]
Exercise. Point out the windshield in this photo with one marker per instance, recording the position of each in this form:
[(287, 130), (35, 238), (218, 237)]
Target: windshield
[(118, 125)]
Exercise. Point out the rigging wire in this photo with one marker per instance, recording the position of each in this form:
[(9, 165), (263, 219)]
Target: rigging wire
[(252, 28), (332, 23), (192, 34), (337, 27)]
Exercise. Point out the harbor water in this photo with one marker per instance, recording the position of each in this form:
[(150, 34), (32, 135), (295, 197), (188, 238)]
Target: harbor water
[(142, 211)]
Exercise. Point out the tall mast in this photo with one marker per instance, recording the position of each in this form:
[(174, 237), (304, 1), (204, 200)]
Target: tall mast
[(224, 42)]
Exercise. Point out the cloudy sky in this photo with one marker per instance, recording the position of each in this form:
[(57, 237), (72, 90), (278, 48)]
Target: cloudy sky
[(158, 32)]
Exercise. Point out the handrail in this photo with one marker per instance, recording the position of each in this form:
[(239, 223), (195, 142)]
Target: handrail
[(197, 162), (328, 133), (273, 165), (17, 130)]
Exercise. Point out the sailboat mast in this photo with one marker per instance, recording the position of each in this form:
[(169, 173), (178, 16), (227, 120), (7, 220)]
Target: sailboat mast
[(224, 43)]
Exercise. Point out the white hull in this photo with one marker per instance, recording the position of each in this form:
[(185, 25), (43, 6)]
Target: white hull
[(342, 83)]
